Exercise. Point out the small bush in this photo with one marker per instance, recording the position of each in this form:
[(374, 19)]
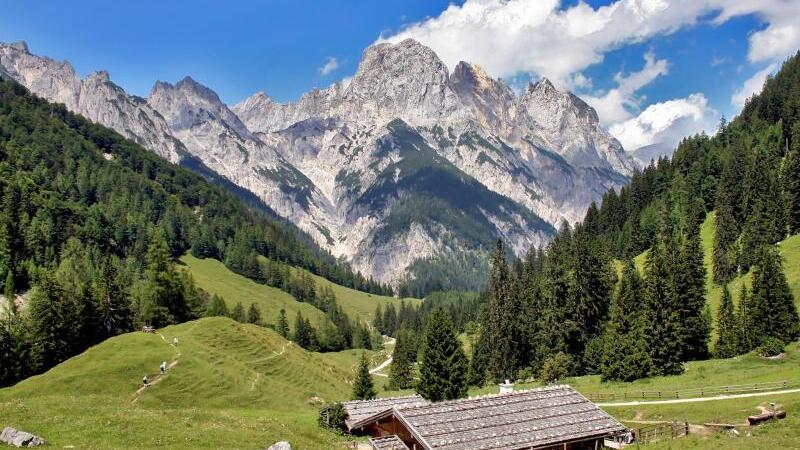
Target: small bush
[(770, 347), (556, 367), (333, 417)]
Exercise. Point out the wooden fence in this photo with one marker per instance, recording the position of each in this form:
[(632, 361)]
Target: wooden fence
[(661, 431), (688, 393)]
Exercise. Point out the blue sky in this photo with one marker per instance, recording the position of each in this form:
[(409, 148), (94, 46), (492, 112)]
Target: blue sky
[(654, 69)]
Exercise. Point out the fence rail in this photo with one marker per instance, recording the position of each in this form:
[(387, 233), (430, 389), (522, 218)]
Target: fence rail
[(659, 432), (688, 393)]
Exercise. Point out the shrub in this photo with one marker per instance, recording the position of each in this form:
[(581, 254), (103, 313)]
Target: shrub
[(556, 367), (770, 346), (333, 417)]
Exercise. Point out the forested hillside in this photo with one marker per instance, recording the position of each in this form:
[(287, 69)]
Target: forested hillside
[(563, 310), (90, 226)]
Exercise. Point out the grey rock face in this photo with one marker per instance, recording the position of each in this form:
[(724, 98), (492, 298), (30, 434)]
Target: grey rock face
[(342, 161), (283, 445), (18, 438)]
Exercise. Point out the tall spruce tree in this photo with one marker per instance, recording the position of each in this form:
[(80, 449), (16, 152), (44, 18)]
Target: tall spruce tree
[(727, 343), (625, 356), (401, 372), (363, 389), (503, 313), (728, 205), (282, 326), (443, 369), (662, 317), (253, 314), (772, 309), (790, 178), (690, 288), (748, 337)]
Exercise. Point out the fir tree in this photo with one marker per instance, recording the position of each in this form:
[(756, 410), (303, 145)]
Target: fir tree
[(237, 313), (443, 369), (401, 373), (216, 307), (8, 289), (662, 319), (625, 356), (748, 339), (503, 313), (53, 319), (690, 288), (790, 177), (727, 343), (253, 314), (282, 326), (772, 309), (363, 388), (390, 320), (377, 320)]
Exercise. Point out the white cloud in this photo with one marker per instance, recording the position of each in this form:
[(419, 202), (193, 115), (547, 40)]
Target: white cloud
[(510, 36), (753, 85), (661, 126), (331, 64), (616, 104)]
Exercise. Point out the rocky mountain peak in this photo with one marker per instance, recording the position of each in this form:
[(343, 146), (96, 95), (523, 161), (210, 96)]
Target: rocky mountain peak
[(100, 76), (21, 46)]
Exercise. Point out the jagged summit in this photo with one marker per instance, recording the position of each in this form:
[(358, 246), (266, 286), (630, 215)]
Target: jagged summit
[(21, 46), (351, 164)]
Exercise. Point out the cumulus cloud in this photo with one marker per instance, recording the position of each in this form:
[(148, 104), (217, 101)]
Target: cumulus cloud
[(617, 104), (330, 65), (753, 85), (661, 126), (511, 36)]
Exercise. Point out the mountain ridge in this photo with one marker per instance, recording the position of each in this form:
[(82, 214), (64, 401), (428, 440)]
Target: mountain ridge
[(315, 160)]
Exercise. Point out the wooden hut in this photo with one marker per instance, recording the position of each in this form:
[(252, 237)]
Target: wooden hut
[(550, 418)]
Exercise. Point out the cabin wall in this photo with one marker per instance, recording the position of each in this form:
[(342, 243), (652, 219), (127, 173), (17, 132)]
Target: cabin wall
[(391, 426)]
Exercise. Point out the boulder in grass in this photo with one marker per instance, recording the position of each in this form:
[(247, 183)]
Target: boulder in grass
[(282, 445), (18, 438)]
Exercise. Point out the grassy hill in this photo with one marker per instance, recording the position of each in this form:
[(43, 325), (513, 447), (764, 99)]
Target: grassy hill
[(213, 277), (233, 386)]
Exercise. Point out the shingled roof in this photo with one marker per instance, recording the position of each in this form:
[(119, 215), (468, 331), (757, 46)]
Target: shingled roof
[(388, 443), (516, 420), (360, 411)]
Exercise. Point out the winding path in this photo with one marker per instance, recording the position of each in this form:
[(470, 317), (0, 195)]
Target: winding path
[(383, 365), (698, 399), (157, 379)]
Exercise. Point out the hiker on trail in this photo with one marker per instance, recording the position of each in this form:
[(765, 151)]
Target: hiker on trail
[(163, 367), (145, 382), (175, 341)]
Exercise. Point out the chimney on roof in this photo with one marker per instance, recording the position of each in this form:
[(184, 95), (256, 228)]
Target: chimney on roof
[(507, 387)]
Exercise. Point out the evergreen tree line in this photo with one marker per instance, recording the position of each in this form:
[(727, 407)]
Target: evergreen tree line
[(90, 224), (462, 307), (465, 271), (564, 304)]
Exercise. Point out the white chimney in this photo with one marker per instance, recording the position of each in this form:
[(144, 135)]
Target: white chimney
[(507, 387)]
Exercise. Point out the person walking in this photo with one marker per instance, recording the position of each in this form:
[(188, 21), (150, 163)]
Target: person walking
[(163, 367)]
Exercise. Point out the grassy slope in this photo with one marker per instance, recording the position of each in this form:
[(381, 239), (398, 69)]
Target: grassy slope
[(229, 389), (212, 276), (360, 304)]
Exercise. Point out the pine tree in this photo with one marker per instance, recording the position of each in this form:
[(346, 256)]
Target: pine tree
[(728, 206), (662, 319), (390, 320), (8, 289), (690, 287), (253, 314), (237, 313), (748, 339), (302, 334), (727, 343), (53, 319), (363, 388), (113, 300), (401, 373), (625, 356), (283, 325), (443, 369), (772, 309), (216, 307), (503, 313), (790, 177), (377, 320)]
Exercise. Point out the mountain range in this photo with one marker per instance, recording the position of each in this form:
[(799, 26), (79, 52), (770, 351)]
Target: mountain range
[(403, 161)]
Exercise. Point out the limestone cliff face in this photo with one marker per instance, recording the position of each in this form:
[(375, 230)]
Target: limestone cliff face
[(405, 160)]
